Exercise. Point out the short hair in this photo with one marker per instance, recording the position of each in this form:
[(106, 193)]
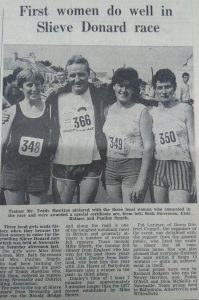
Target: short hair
[(164, 75), (78, 59), (129, 75), (185, 74), (29, 75)]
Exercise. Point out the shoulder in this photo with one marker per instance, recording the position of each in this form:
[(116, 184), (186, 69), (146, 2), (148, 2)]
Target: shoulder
[(184, 108), (139, 108), (153, 111), (55, 94)]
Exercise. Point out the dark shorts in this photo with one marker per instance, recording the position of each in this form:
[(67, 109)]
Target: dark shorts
[(123, 170), (29, 178), (173, 174), (77, 173)]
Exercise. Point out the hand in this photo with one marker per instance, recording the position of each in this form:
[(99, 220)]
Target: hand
[(193, 190), (5, 103), (137, 192), (5, 117)]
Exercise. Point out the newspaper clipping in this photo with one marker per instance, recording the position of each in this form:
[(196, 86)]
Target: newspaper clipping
[(99, 150)]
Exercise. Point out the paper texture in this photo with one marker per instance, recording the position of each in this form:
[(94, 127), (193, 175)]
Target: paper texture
[(76, 223)]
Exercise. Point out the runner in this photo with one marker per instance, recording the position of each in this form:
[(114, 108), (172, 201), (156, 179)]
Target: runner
[(129, 140), (173, 128), (81, 142), (25, 139)]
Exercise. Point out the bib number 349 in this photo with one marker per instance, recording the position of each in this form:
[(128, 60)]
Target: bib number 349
[(30, 146), (116, 144)]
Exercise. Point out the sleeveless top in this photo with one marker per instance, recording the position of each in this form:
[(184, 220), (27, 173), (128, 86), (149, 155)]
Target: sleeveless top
[(122, 130), (77, 144), (171, 134), (29, 141)]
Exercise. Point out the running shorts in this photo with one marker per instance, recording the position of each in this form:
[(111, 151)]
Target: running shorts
[(122, 171), (77, 173), (29, 178), (173, 174)]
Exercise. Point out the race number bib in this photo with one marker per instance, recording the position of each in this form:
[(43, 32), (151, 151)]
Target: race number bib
[(81, 121), (117, 144), (30, 146), (168, 138)]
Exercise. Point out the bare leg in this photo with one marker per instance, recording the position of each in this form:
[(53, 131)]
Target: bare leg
[(88, 190), (63, 190), (179, 196), (126, 193), (38, 198), (15, 197), (160, 194), (114, 193)]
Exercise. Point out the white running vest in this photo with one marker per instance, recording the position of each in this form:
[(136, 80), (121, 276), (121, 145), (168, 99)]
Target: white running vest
[(170, 131), (77, 143), (122, 130)]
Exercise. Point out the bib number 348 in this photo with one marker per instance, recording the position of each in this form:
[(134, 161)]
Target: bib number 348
[(30, 146)]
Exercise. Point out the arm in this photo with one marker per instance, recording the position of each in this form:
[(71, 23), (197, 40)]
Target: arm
[(190, 128), (148, 143), (7, 119)]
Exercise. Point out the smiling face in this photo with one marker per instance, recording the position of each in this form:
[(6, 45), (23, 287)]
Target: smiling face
[(164, 91), (123, 92), (78, 78), (32, 90)]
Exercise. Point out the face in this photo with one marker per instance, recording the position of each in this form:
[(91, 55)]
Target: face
[(123, 92), (32, 90), (78, 78), (164, 91), (185, 78), (61, 77)]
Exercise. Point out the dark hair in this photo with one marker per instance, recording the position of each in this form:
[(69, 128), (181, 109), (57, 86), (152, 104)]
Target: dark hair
[(28, 75), (10, 78), (164, 75), (185, 74), (16, 72), (78, 59), (121, 76)]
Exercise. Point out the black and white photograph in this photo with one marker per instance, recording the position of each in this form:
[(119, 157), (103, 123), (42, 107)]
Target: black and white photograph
[(97, 124)]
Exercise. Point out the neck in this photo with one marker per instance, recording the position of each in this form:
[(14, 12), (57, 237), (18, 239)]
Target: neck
[(38, 104), (168, 104), (124, 104)]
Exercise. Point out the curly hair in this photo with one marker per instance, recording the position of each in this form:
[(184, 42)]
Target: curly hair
[(164, 75)]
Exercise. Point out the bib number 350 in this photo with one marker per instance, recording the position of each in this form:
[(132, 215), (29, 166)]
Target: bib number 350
[(168, 137), (30, 146)]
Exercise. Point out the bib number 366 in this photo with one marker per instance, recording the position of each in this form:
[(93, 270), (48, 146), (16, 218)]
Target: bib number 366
[(30, 146)]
